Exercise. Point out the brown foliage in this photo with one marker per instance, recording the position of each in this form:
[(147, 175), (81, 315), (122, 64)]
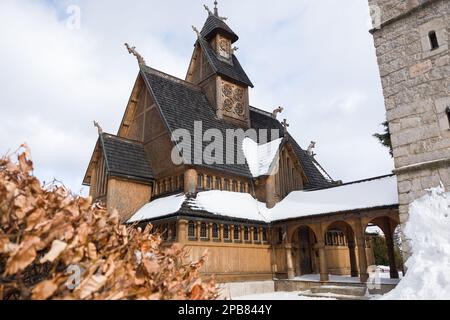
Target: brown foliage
[(47, 235)]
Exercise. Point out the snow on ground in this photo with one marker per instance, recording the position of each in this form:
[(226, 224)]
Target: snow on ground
[(159, 208), (232, 204), (366, 194), (260, 157), (278, 296), (428, 229)]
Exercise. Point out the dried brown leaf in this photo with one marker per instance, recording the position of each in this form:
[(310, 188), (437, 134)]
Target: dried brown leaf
[(57, 248), (44, 290)]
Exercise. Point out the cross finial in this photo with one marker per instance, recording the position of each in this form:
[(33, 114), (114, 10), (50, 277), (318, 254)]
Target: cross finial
[(285, 125), (133, 51), (207, 9), (196, 31), (216, 10), (100, 130)]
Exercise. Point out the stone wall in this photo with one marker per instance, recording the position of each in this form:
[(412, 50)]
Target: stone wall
[(416, 87)]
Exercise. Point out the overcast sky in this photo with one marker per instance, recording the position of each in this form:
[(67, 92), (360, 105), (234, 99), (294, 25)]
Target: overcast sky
[(314, 58)]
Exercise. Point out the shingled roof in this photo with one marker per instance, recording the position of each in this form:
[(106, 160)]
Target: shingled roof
[(126, 158), (215, 25), (181, 104), (233, 70)]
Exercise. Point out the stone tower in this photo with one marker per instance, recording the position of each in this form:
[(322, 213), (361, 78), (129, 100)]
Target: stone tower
[(412, 41)]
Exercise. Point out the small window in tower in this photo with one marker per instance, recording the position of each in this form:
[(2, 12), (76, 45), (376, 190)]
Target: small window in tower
[(433, 40), (200, 182), (447, 111)]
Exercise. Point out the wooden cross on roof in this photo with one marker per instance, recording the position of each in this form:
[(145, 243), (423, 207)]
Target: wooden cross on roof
[(285, 125)]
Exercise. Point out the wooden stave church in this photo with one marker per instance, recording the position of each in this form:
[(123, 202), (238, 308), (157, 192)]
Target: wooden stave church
[(134, 167)]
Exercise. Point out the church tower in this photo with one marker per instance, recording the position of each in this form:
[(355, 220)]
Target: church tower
[(412, 45), (215, 68)]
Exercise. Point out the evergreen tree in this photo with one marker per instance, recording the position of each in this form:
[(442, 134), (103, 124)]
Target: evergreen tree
[(385, 138)]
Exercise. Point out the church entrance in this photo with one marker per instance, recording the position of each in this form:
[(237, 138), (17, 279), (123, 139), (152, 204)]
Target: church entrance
[(306, 241)]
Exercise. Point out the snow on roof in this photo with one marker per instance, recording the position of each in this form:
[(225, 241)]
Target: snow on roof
[(260, 157), (359, 195), (159, 208), (232, 204)]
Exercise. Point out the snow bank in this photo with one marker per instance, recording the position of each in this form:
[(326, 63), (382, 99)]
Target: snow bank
[(360, 195), (159, 208), (231, 204), (260, 157), (428, 229)]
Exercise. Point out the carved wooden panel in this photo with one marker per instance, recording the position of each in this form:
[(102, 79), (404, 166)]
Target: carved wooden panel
[(233, 101)]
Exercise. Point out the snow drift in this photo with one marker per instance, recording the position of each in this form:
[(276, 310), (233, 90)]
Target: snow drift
[(428, 229)]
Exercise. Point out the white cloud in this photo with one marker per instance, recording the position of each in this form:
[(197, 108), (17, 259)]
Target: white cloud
[(315, 58)]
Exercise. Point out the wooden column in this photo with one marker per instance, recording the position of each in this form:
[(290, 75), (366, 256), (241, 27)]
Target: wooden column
[(353, 262), (289, 261), (389, 236), (197, 230), (361, 244), (190, 181), (210, 231), (182, 231), (221, 232), (323, 266)]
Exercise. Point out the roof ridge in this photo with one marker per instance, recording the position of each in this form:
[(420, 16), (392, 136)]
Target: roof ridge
[(121, 138), (261, 111), (355, 182), (169, 77)]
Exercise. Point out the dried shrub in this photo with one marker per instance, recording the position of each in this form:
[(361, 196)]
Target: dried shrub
[(54, 245)]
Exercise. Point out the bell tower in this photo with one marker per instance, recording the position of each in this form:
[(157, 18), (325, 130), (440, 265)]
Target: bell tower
[(215, 68)]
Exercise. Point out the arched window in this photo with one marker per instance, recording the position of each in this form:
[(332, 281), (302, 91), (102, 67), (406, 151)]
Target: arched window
[(255, 234), (208, 183), (200, 182), (236, 233), (226, 232), (433, 40), (246, 234), (203, 230), (264, 234), (215, 231), (191, 229)]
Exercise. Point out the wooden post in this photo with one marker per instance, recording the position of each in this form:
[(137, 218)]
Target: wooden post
[(388, 233), (289, 261), (361, 244), (353, 263), (182, 231)]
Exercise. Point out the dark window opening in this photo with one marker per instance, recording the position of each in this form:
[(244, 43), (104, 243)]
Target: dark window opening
[(215, 231), (217, 187), (241, 188), (433, 40), (246, 233), (200, 181), (227, 185), (264, 234), (280, 235), (203, 231), (236, 233), (191, 229), (226, 232), (208, 183), (255, 234), (174, 231)]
